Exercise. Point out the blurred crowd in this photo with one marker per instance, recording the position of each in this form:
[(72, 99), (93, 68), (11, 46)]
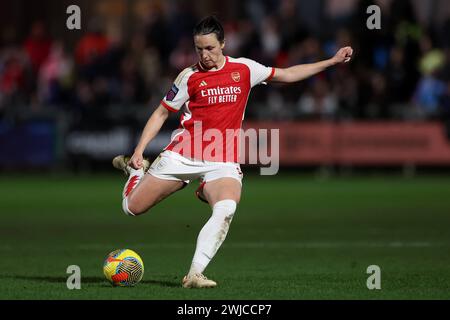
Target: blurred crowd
[(400, 72)]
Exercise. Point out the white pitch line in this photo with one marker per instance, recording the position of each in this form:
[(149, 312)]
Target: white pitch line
[(276, 245), (255, 245)]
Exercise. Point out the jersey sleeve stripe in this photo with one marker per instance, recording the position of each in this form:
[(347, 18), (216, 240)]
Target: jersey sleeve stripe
[(165, 105), (180, 77), (271, 74)]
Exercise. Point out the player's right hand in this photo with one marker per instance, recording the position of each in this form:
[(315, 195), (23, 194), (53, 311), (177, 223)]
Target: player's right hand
[(136, 161)]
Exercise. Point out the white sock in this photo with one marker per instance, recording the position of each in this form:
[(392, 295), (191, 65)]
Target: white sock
[(133, 181), (212, 235)]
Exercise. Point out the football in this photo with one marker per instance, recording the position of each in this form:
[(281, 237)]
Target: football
[(123, 267)]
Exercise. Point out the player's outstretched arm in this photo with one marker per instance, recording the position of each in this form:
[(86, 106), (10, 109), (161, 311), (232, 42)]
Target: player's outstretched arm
[(151, 129), (303, 71)]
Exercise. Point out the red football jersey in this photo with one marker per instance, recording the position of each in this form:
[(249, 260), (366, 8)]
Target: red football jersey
[(214, 105)]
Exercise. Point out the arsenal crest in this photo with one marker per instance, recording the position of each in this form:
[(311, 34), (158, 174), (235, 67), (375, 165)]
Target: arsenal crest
[(236, 76)]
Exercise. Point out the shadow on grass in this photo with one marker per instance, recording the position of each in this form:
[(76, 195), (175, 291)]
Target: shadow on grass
[(95, 280)]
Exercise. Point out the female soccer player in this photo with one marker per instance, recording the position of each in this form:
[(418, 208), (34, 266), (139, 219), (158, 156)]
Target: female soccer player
[(214, 95)]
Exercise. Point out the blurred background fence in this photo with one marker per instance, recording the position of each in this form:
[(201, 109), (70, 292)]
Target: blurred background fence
[(72, 99)]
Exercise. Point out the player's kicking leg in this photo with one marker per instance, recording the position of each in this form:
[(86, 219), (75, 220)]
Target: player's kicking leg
[(223, 195), (142, 191)]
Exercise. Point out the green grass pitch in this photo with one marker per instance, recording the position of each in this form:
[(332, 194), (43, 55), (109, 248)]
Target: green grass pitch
[(293, 237)]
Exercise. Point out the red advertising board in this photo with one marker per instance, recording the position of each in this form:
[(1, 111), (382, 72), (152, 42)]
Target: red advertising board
[(360, 143)]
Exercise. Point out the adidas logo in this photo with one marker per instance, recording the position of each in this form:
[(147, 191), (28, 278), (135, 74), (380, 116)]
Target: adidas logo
[(203, 83)]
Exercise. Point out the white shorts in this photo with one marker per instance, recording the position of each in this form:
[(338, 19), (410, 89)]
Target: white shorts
[(170, 165)]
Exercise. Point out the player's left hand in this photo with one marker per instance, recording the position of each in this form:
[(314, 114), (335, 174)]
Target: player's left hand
[(344, 55)]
